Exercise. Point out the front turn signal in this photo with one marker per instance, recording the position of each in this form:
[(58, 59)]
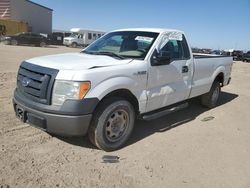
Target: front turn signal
[(84, 88)]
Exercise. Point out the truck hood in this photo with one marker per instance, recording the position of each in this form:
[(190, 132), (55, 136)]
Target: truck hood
[(69, 38), (77, 61)]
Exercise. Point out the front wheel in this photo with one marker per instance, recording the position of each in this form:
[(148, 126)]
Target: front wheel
[(13, 42), (112, 124), (74, 45), (42, 44), (211, 98)]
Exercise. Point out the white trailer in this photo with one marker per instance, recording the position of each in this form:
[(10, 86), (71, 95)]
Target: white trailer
[(82, 37)]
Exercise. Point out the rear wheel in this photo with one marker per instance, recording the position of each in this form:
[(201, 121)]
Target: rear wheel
[(112, 124), (211, 98)]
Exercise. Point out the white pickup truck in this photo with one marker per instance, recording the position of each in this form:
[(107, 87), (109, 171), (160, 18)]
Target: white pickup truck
[(126, 74)]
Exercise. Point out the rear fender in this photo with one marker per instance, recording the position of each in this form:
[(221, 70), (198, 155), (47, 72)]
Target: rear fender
[(220, 69)]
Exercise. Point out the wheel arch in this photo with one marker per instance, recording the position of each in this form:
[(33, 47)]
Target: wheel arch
[(124, 87), (220, 78), (219, 75), (124, 94)]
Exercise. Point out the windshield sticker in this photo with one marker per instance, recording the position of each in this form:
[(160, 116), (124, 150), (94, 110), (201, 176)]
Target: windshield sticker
[(174, 36), (170, 36), (146, 39)]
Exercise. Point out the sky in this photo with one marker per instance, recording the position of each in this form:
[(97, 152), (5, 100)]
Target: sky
[(217, 24)]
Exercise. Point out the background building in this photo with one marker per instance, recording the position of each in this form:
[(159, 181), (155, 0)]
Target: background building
[(38, 17)]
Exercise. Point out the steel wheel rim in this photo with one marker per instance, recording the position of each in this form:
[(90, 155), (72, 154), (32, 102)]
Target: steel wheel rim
[(215, 95), (116, 125)]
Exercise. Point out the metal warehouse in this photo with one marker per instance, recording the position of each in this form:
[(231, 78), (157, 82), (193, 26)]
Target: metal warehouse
[(38, 17)]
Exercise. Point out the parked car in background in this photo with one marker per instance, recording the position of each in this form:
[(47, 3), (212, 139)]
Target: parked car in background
[(217, 52), (237, 55), (57, 38), (202, 50), (246, 57), (81, 37), (27, 38)]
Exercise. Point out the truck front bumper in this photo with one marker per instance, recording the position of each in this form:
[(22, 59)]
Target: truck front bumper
[(67, 43), (59, 123)]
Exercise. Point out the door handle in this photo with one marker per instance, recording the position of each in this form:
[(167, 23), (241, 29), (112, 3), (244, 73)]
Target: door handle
[(184, 69)]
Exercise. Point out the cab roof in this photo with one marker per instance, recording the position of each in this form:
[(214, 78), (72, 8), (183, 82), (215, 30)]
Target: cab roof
[(156, 30)]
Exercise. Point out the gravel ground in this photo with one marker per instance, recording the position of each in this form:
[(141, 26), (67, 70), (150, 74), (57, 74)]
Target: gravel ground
[(179, 150)]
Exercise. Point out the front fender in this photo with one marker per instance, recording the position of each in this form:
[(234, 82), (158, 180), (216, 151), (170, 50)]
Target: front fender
[(107, 86)]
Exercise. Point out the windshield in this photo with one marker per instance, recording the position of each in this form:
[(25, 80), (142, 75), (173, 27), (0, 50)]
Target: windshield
[(126, 44), (74, 35), (17, 34)]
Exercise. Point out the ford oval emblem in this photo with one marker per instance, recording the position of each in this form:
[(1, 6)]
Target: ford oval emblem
[(25, 81)]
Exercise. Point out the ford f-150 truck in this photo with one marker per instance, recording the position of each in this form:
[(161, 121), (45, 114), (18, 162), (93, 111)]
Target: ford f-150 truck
[(126, 74)]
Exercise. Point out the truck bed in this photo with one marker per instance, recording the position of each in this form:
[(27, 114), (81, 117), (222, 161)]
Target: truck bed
[(206, 67)]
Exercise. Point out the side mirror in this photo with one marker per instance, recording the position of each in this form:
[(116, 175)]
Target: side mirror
[(161, 58)]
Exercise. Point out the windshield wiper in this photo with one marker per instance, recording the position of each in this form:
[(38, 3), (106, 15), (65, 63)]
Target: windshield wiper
[(105, 53), (109, 54)]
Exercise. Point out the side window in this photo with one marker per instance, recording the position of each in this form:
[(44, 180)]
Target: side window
[(34, 35), (185, 47), (174, 48), (94, 36), (26, 35), (99, 35), (89, 36)]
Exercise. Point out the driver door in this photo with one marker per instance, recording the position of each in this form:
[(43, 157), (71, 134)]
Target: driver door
[(22, 38), (170, 83), (80, 39)]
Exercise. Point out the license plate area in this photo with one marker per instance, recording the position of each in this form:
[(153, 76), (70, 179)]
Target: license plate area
[(21, 114)]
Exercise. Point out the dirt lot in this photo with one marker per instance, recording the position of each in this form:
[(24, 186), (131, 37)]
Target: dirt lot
[(179, 150)]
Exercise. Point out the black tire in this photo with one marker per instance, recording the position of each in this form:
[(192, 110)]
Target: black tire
[(74, 45), (211, 98), (112, 124), (13, 42)]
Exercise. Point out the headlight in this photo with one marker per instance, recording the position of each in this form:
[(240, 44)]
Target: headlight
[(64, 90)]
